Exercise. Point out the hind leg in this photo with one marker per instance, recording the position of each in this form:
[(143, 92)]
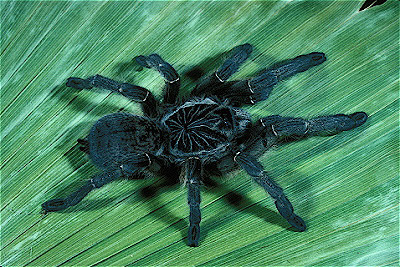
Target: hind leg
[(287, 129), (84, 145), (96, 182)]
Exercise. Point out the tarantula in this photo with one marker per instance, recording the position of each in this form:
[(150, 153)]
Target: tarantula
[(203, 134)]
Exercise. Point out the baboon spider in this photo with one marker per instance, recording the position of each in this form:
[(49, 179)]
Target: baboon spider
[(205, 133)]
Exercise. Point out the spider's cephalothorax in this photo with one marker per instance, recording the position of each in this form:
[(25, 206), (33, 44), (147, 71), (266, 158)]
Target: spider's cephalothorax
[(203, 128), (206, 133)]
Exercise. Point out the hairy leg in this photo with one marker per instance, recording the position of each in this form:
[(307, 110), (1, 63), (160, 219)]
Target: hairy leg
[(262, 84), (171, 77), (193, 173), (76, 197), (133, 92), (255, 170), (287, 129), (259, 88), (236, 57)]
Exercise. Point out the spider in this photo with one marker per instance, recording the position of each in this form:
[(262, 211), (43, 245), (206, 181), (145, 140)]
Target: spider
[(203, 134)]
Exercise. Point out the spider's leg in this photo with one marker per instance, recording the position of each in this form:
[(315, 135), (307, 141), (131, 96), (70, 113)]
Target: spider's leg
[(171, 77), (262, 84), (193, 173), (73, 199), (288, 129), (236, 57), (133, 92), (259, 88), (85, 145), (285, 208)]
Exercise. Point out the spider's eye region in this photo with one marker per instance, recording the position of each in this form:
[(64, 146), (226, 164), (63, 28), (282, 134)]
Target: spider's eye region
[(200, 127)]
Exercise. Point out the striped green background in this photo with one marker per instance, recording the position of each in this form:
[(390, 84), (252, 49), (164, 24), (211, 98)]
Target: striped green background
[(345, 187)]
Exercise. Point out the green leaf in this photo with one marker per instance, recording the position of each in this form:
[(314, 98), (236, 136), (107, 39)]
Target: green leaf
[(345, 186)]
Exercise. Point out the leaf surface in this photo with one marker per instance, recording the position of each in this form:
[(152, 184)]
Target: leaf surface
[(345, 186)]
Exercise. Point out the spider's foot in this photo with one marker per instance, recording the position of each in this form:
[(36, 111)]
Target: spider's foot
[(54, 205), (78, 83), (83, 142), (344, 122), (359, 118), (85, 145), (285, 208), (193, 235), (317, 58), (297, 223)]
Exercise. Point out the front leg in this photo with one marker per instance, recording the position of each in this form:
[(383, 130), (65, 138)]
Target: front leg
[(171, 77), (192, 179), (136, 93), (255, 170), (257, 89), (288, 129), (237, 56)]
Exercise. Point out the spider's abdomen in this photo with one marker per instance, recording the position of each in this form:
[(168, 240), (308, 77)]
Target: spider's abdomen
[(202, 128), (117, 138)]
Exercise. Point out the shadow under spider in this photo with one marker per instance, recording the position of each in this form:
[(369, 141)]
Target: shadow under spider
[(243, 204), (148, 194)]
